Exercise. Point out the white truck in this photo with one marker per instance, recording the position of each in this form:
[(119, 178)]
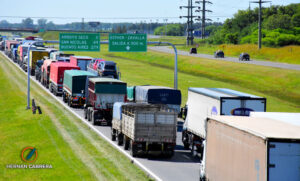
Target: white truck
[(145, 128), (204, 102), (252, 148)]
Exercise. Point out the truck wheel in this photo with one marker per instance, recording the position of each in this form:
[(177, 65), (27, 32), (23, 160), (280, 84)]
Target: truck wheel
[(133, 151), (88, 115), (50, 87), (55, 92), (113, 134), (194, 150), (85, 113), (170, 155), (126, 143), (69, 103), (121, 139), (93, 117)]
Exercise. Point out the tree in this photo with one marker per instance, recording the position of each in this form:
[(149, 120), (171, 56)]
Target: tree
[(278, 21), (232, 38), (170, 30), (42, 23), (296, 20), (27, 23), (50, 25), (4, 24)]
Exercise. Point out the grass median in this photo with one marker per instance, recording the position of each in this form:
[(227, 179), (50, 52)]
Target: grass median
[(62, 140)]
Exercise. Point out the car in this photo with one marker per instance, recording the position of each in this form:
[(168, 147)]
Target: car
[(244, 57), (107, 69), (219, 54)]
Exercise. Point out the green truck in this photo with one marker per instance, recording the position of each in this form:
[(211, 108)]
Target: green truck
[(75, 87)]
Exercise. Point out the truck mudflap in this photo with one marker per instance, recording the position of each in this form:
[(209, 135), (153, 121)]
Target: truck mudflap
[(154, 149)]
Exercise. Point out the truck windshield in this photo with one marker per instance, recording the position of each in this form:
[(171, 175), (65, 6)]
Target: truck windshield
[(110, 67)]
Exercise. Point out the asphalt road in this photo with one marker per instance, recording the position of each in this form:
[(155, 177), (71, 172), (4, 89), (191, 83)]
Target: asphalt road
[(182, 166), (166, 49)]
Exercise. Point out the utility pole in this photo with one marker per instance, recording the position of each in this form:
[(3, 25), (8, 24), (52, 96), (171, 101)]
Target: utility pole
[(190, 17), (166, 20), (82, 24), (260, 2), (203, 19)]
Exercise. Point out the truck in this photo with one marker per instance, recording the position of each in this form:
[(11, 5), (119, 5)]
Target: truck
[(22, 53), (45, 72), (204, 102), (144, 128), (131, 94), (158, 95), (102, 94), (57, 70), (75, 87), (80, 61), (251, 148), (34, 56), (57, 55), (10, 44)]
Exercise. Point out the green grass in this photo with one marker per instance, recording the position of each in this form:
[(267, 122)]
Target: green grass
[(287, 54), (280, 87), (62, 140)]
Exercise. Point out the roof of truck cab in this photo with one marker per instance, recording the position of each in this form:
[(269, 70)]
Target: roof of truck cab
[(262, 127), (154, 87), (218, 93), (83, 57), (79, 73), (63, 64), (100, 79)]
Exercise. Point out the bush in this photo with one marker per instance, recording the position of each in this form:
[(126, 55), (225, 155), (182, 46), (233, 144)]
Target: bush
[(286, 39), (232, 38)]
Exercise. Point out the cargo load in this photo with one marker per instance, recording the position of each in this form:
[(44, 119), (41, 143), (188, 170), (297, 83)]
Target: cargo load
[(251, 148), (75, 87), (145, 128), (57, 70), (102, 94), (204, 102)]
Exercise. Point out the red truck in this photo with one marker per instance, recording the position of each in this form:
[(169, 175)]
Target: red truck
[(57, 70), (80, 61), (45, 72)]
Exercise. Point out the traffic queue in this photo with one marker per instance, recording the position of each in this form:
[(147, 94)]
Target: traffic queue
[(225, 128)]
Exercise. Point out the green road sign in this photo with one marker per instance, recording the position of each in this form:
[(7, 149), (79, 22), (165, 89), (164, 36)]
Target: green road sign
[(127, 42), (89, 42)]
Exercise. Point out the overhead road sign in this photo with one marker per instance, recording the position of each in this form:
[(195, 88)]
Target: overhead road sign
[(89, 42), (127, 42)]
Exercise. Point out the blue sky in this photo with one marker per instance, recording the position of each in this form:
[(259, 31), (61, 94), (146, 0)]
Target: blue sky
[(118, 10)]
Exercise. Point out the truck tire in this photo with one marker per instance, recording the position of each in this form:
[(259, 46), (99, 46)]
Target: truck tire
[(170, 154), (50, 88), (121, 139), (93, 117), (185, 142), (88, 115), (85, 113), (126, 144), (69, 102), (113, 134), (133, 151), (194, 150)]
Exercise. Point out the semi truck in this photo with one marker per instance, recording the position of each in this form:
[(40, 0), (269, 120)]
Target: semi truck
[(252, 148), (57, 70), (144, 128), (75, 87), (102, 94), (58, 55), (204, 102), (158, 95), (80, 61), (34, 56)]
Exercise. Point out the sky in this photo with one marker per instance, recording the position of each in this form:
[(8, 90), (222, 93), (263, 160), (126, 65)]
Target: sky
[(66, 11)]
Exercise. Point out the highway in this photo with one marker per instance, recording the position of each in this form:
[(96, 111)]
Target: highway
[(182, 166), (166, 49)]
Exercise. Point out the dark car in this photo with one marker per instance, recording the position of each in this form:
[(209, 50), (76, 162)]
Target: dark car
[(219, 54), (244, 57), (107, 69)]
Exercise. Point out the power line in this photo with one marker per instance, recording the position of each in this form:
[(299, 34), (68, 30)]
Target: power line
[(204, 19), (190, 17)]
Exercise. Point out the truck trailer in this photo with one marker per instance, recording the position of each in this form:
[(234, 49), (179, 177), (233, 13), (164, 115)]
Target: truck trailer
[(158, 95), (145, 128), (251, 148), (57, 70), (80, 61), (102, 94), (75, 87), (36, 55), (204, 102)]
